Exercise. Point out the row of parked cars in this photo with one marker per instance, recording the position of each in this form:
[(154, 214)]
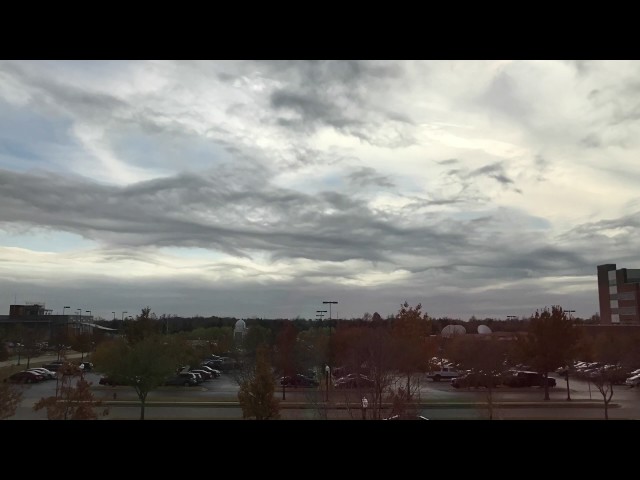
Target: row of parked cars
[(510, 378), (47, 372), (592, 370)]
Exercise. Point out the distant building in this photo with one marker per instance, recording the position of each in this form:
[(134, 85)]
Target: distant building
[(239, 330), (619, 295), (36, 316)]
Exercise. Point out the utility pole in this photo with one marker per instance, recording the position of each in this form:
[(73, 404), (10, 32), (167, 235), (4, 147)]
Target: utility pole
[(566, 372), (330, 303)]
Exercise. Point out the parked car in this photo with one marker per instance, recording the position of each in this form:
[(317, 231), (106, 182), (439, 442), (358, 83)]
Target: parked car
[(298, 380), (186, 379), (47, 374), (214, 373), (53, 366), (522, 378), (86, 366), (633, 381), (25, 376), (203, 373), (354, 381), (406, 417), (476, 380), (107, 380)]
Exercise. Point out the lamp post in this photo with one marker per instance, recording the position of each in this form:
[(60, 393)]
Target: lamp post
[(566, 371), (114, 315), (320, 313), (123, 315), (63, 309), (365, 404), (330, 303), (327, 371)]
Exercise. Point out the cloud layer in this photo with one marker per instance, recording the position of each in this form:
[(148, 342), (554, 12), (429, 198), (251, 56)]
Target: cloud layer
[(261, 188)]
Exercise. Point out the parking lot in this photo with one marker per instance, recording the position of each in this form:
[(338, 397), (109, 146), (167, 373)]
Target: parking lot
[(217, 399)]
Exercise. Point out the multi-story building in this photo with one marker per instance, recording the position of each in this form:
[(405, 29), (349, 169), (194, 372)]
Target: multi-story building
[(37, 317), (619, 294)]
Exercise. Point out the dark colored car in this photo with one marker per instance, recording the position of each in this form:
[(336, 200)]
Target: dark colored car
[(25, 377), (106, 380), (354, 381), (182, 379), (476, 380), (53, 366), (522, 378), (298, 380), (86, 366)]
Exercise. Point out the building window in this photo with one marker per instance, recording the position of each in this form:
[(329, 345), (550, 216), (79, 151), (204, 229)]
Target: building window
[(614, 304), (627, 311), (615, 318), (611, 274), (613, 289), (626, 296)]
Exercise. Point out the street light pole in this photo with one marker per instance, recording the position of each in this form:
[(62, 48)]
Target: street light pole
[(330, 303), (365, 404), (63, 309), (566, 372), (320, 313), (123, 315), (327, 370)]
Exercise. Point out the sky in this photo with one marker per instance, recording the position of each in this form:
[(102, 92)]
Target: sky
[(265, 188)]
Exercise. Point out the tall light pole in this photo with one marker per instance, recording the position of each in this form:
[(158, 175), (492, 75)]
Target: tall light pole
[(114, 315), (123, 315), (320, 313), (63, 309), (566, 371), (330, 303), (327, 370)]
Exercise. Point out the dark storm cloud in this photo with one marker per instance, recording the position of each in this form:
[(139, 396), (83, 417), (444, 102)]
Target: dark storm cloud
[(233, 214), (367, 176), (339, 94)]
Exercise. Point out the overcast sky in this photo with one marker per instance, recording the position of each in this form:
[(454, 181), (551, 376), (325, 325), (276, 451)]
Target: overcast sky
[(242, 188)]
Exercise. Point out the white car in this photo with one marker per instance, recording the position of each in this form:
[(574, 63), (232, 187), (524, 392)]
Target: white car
[(47, 374), (633, 381)]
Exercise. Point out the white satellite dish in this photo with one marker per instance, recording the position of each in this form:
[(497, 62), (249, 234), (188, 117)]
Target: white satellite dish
[(483, 330), (451, 330)]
